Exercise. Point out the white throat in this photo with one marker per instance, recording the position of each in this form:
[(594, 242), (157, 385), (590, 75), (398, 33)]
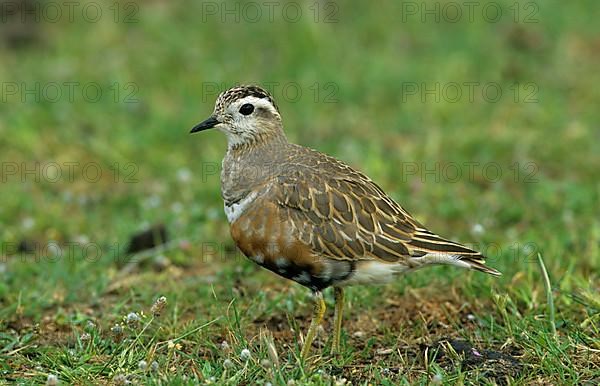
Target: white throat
[(234, 211), (234, 140)]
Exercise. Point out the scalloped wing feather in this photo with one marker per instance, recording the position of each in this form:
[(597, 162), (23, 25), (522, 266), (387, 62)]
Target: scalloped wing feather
[(344, 215)]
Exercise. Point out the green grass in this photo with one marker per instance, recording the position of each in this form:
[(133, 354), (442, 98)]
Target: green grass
[(57, 312)]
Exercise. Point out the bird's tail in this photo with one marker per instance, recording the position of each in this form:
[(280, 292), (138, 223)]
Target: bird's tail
[(478, 262), (433, 249)]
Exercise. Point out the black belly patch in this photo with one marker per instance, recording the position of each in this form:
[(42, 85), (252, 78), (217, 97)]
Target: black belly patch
[(305, 275)]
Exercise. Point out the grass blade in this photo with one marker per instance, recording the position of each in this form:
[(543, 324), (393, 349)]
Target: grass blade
[(549, 297)]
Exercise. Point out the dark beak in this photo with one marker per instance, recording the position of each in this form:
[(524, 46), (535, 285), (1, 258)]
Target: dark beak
[(205, 125)]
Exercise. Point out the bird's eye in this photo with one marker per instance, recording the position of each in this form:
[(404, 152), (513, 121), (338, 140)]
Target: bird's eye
[(246, 109)]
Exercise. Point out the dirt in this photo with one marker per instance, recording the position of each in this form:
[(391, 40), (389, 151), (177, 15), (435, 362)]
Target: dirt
[(493, 364), (407, 332)]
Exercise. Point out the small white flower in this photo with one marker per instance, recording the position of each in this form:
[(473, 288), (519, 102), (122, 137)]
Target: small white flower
[(90, 326), (133, 318), (245, 354), (224, 345), (228, 364), (266, 363), (528, 249), (184, 175), (471, 317), (477, 229), (85, 337), (52, 380), (120, 379), (437, 379), (339, 382), (154, 366), (53, 249), (82, 240), (117, 330), (143, 365), (27, 223), (153, 201), (176, 207)]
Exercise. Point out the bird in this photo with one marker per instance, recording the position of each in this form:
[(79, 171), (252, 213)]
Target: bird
[(311, 218)]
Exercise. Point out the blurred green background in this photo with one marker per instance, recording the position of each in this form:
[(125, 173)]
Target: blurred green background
[(373, 84)]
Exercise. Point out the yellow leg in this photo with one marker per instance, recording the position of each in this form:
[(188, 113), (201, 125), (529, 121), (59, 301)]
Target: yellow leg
[(318, 314), (338, 293)]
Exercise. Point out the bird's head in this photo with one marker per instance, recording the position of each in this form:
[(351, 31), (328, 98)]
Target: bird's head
[(246, 114)]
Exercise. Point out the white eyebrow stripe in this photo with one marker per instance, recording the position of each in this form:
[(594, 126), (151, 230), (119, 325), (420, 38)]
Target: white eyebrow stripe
[(257, 102)]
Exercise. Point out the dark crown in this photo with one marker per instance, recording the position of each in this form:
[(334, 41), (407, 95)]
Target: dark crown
[(238, 92)]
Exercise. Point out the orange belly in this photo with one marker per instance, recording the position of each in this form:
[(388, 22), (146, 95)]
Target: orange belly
[(273, 243)]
